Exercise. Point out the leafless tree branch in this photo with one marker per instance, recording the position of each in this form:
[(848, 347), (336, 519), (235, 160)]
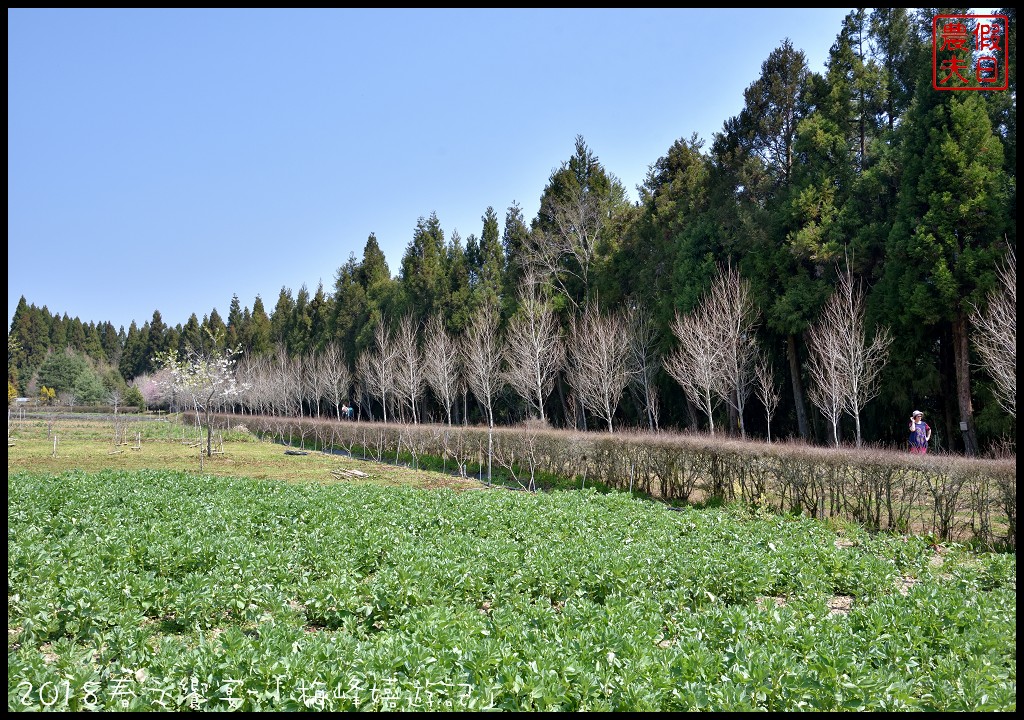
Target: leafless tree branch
[(645, 362), (442, 364), (732, 307), (409, 374), (376, 367), (534, 349), (568, 251), (767, 389), (598, 360), (696, 364), (996, 338), (482, 356), (338, 376), (844, 368)]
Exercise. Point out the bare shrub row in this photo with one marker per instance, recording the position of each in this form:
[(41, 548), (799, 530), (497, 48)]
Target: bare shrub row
[(951, 497)]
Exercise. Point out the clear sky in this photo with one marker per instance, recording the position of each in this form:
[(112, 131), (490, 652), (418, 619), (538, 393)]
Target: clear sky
[(168, 159)]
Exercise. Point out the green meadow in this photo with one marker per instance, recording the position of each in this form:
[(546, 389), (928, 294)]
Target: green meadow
[(281, 582)]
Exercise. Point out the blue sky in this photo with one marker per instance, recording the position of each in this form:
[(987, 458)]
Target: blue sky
[(167, 159)]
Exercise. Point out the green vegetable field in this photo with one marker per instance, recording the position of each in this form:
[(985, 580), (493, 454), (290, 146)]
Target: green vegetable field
[(163, 590)]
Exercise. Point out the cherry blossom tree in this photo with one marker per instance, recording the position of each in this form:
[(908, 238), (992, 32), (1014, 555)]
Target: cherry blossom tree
[(206, 379)]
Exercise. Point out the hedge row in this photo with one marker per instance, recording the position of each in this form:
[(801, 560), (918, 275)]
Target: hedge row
[(951, 497)]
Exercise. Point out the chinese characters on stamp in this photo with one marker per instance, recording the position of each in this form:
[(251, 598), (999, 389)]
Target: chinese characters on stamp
[(970, 52)]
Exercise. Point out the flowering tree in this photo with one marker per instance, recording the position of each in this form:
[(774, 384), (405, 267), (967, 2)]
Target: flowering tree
[(154, 388), (206, 380)]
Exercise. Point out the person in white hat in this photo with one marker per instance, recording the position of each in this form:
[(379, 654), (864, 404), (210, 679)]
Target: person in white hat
[(920, 433)]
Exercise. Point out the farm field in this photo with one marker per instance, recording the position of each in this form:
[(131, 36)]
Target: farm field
[(268, 583), (88, 445)]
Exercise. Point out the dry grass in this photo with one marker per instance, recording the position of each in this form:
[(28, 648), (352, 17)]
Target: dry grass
[(87, 445)]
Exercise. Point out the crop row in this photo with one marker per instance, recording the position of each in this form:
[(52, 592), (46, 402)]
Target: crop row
[(150, 590), (953, 498)]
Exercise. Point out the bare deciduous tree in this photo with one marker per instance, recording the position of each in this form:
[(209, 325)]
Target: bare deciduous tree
[(315, 379), (245, 371), (598, 360), (858, 364), (534, 349), (717, 348), (296, 391), (864, 362), (996, 339), (376, 367), (767, 389), (280, 383), (338, 376), (841, 360), (569, 250), (409, 371), (696, 364), (645, 362), (114, 397), (442, 364), (68, 397), (825, 364), (732, 306), (482, 356), (522, 449)]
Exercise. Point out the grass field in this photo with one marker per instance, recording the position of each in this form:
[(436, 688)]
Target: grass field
[(88, 445), (268, 582)]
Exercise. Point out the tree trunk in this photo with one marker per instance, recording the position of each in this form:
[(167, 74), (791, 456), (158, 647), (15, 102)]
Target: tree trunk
[(961, 361), (798, 386), (647, 402), (946, 375), (490, 441), (694, 414), (562, 401), (209, 435)]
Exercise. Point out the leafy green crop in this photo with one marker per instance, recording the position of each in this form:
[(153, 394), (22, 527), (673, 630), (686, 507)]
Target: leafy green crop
[(170, 591)]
